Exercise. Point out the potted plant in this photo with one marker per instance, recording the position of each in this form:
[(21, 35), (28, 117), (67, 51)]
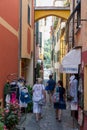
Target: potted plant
[(30, 104), (1, 125), (10, 117)]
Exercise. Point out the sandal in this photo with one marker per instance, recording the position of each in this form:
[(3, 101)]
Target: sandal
[(59, 120), (40, 117), (37, 120), (56, 118)]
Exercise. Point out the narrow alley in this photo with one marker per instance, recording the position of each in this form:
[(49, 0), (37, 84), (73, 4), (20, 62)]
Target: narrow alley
[(48, 122), (39, 38)]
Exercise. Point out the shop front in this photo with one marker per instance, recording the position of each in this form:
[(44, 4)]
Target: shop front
[(84, 70), (72, 65)]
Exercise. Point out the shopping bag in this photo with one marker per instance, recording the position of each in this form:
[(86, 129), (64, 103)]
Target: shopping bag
[(41, 102), (47, 88), (56, 97), (69, 98), (74, 106)]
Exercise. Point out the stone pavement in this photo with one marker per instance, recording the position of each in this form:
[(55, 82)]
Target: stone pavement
[(48, 122)]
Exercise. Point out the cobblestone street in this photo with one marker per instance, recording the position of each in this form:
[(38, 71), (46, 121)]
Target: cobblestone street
[(48, 122)]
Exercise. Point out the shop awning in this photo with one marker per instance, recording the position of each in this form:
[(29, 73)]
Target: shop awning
[(71, 61)]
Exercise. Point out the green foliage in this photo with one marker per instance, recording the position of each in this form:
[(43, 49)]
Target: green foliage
[(11, 120), (66, 3), (30, 105), (10, 117), (55, 23), (38, 69), (29, 89), (47, 52), (1, 126), (48, 66)]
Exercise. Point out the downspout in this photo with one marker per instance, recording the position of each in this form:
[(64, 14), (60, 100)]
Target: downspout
[(34, 43), (34, 68), (20, 34), (73, 26)]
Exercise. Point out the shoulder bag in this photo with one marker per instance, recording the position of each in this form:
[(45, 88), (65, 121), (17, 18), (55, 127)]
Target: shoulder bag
[(42, 100), (56, 95)]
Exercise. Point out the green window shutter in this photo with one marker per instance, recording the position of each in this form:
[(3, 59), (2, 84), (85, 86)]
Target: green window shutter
[(40, 39), (58, 56), (28, 14), (52, 54), (37, 32)]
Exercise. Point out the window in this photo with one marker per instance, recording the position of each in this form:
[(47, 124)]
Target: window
[(37, 29), (28, 14), (52, 55), (58, 34), (58, 56), (54, 41), (79, 15), (40, 39)]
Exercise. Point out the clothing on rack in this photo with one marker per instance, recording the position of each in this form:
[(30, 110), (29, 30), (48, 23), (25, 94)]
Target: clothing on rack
[(12, 93), (13, 97), (24, 97), (17, 92), (14, 89), (7, 99), (6, 92)]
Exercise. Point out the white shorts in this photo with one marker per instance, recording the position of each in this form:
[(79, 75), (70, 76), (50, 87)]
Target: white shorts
[(37, 108)]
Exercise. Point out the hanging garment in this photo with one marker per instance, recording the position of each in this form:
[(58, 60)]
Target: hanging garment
[(24, 95), (7, 99), (13, 98)]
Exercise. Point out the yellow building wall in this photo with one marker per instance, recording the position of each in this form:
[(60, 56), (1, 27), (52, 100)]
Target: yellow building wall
[(25, 27), (42, 13), (62, 54), (27, 41)]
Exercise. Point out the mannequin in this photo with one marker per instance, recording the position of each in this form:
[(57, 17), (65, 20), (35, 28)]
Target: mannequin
[(73, 88), (73, 93)]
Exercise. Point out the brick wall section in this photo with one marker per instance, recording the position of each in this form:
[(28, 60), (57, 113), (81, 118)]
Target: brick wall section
[(83, 42)]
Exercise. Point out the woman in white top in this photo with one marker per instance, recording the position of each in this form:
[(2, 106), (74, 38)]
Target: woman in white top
[(38, 93)]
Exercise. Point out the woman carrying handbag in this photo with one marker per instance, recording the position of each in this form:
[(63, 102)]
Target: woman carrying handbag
[(60, 104), (38, 95)]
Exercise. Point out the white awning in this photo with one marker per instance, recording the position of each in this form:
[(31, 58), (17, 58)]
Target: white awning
[(71, 61)]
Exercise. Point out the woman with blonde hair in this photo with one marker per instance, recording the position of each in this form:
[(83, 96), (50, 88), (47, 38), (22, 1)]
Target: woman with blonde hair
[(38, 94)]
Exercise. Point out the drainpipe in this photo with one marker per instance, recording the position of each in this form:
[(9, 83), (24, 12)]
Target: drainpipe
[(34, 43), (73, 25), (20, 32)]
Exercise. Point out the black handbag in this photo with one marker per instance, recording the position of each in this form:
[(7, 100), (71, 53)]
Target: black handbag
[(69, 98)]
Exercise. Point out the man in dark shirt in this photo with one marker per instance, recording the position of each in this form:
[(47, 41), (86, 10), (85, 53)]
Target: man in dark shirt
[(51, 85)]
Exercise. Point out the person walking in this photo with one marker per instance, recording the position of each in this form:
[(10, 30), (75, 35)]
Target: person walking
[(38, 94), (50, 87), (60, 105)]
